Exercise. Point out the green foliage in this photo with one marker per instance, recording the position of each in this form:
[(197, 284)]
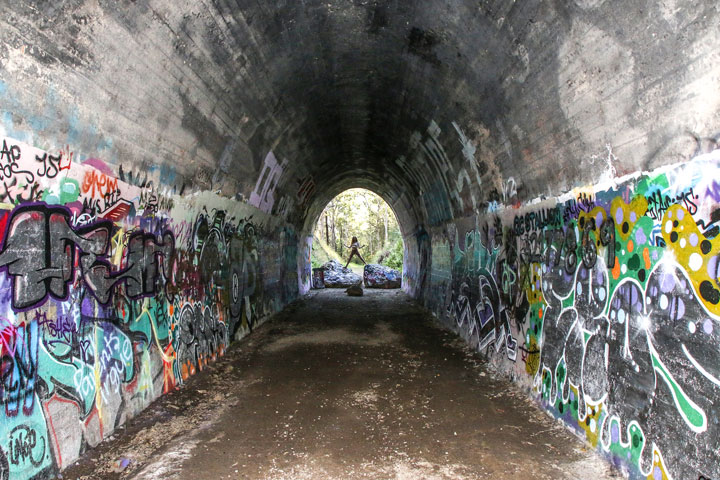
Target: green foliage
[(395, 259), (322, 253), (360, 213)]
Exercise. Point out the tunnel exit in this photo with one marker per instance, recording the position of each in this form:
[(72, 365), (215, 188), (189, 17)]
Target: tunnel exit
[(176, 177), (357, 243)]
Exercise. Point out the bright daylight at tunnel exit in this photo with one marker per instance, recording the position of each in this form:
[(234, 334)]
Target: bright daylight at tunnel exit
[(357, 225), (375, 239)]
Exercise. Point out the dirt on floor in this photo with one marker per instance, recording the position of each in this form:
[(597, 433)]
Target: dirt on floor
[(338, 387)]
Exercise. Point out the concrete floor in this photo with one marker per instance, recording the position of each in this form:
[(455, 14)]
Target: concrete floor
[(339, 387)]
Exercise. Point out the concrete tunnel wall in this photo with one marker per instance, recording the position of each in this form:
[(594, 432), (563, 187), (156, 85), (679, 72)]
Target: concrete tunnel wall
[(553, 167)]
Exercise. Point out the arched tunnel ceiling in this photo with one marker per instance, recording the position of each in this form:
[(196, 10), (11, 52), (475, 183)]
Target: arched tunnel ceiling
[(431, 103), (201, 139)]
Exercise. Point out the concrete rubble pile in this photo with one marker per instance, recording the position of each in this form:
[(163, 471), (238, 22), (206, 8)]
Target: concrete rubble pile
[(337, 276), (380, 276)]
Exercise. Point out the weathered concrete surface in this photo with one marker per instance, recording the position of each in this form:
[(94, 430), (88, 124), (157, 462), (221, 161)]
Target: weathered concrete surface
[(199, 95), (335, 389), (491, 128)]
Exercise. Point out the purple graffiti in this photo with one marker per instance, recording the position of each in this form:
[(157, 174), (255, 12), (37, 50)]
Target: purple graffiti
[(39, 253)]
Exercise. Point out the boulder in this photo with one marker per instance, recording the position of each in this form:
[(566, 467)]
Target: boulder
[(337, 276), (355, 291), (380, 276)]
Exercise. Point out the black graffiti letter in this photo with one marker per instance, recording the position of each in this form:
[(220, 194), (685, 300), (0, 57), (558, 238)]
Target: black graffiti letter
[(607, 238), (589, 250), (570, 249)]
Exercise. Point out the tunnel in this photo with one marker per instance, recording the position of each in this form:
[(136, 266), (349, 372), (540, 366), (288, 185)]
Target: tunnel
[(553, 167)]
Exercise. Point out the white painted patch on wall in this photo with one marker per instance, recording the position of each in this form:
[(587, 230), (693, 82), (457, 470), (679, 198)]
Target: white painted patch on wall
[(588, 4), (697, 104), (263, 197), (597, 87), (606, 162)]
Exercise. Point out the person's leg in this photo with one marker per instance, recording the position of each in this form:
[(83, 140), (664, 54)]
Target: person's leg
[(348, 262), (363, 260)]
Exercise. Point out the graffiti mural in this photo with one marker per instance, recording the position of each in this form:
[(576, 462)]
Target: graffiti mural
[(263, 197), (606, 301), (114, 294)]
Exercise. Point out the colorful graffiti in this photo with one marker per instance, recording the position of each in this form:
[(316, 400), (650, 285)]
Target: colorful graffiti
[(114, 294), (607, 301)]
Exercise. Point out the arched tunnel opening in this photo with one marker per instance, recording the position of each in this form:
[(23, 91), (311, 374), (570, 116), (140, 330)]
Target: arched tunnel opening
[(359, 229), (553, 167), (404, 218)]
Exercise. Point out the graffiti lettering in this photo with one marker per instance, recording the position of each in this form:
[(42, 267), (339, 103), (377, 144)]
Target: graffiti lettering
[(18, 371), (101, 312), (263, 197), (533, 221), (39, 254), (574, 207), (97, 184), (306, 191), (658, 203), (509, 190), (16, 194), (51, 165), (24, 446), (621, 320), (9, 168)]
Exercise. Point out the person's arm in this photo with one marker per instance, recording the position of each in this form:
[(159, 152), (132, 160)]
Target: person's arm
[(363, 246)]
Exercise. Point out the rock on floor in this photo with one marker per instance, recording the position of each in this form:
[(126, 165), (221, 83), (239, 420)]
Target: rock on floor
[(355, 291)]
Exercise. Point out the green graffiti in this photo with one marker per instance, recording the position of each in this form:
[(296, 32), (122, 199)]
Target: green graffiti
[(693, 415), (67, 191)]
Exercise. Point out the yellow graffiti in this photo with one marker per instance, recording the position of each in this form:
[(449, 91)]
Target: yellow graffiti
[(591, 423), (597, 214), (117, 246), (658, 470), (696, 253), (530, 275), (629, 214), (533, 358), (146, 311), (146, 382)]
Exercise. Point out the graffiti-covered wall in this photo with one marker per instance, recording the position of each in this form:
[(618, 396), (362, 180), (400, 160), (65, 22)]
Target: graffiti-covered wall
[(605, 302), (112, 294)]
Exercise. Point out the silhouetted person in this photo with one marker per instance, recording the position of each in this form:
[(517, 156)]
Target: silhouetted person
[(355, 246)]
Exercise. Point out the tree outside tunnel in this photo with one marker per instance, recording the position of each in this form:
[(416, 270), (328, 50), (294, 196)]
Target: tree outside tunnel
[(363, 214), (156, 208)]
